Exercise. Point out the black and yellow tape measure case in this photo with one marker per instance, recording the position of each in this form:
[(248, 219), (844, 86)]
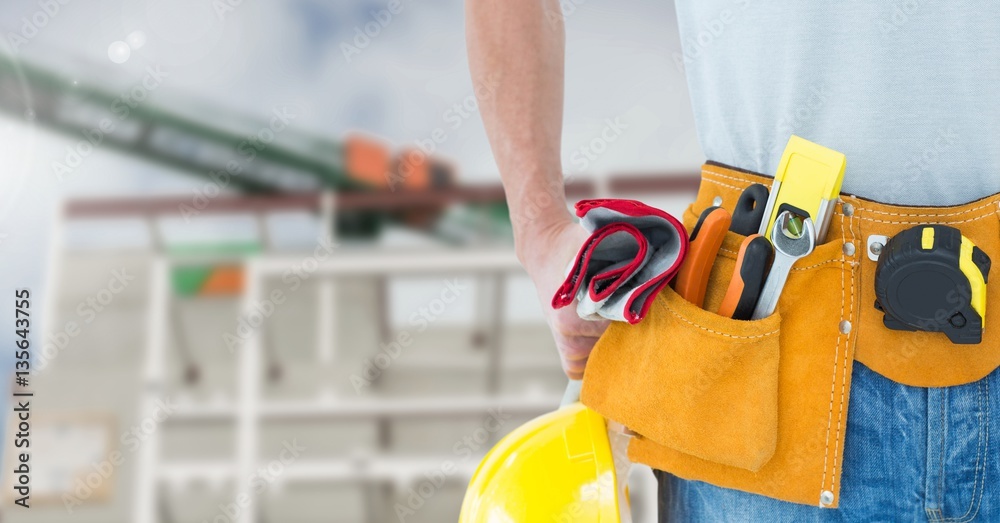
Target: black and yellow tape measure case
[(931, 278)]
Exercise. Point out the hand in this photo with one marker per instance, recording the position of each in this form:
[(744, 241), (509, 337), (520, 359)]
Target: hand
[(545, 255)]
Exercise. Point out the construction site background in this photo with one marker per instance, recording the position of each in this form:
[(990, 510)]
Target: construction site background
[(270, 269)]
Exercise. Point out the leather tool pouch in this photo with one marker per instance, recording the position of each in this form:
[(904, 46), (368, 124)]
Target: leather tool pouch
[(759, 406)]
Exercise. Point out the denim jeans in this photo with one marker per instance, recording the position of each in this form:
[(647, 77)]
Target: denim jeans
[(911, 454)]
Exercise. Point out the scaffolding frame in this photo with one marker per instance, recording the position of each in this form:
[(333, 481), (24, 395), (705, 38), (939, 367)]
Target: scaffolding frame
[(493, 266), (250, 410)]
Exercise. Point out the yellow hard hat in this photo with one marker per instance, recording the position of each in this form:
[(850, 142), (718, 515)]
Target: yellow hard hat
[(556, 468)]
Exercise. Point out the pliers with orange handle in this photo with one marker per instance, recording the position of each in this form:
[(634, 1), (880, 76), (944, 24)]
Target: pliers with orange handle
[(705, 242), (752, 262)]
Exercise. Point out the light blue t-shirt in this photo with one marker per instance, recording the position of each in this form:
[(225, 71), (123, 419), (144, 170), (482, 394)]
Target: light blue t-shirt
[(909, 90)]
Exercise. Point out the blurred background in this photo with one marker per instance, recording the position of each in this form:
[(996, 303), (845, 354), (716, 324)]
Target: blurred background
[(271, 270)]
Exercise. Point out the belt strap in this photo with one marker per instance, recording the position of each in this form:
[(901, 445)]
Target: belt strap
[(913, 358)]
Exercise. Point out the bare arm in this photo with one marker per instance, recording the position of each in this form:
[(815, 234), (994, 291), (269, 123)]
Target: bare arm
[(516, 47)]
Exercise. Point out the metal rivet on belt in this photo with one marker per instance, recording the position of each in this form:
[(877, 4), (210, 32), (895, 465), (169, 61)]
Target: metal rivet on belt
[(845, 327), (826, 497), (717, 201), (876, 242), (849, 249), (848, 209)]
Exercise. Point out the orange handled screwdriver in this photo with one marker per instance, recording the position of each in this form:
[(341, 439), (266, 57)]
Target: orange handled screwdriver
[(706, 239), (748, 278)]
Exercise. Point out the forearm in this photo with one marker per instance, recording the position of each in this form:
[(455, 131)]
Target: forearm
[(517, 48)]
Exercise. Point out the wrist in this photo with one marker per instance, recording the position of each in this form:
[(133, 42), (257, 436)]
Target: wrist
[(534, 237)]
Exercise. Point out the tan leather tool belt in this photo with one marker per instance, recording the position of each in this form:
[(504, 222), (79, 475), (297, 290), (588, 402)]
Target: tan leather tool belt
[(761, 406)]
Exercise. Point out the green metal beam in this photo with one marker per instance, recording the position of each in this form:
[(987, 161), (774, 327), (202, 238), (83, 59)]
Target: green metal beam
[(76, 107)]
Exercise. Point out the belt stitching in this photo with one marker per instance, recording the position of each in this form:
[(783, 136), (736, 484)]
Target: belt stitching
[(843, 384), (726, 185), (841, 260), (863, 210), (833, 379), (702, 327), (876, 220), (919, 215), (720, 175)]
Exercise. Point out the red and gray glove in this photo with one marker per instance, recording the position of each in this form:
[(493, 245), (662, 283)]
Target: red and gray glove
[(633, 251)]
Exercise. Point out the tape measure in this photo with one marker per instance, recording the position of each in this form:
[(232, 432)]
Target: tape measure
[(931, 278)]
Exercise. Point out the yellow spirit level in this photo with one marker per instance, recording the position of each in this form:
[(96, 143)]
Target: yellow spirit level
[(807, 184)]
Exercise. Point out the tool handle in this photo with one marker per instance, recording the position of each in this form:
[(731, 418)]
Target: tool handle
[(572, 394), (748, 278), (706, 239), (768, 301), (749, 210)]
